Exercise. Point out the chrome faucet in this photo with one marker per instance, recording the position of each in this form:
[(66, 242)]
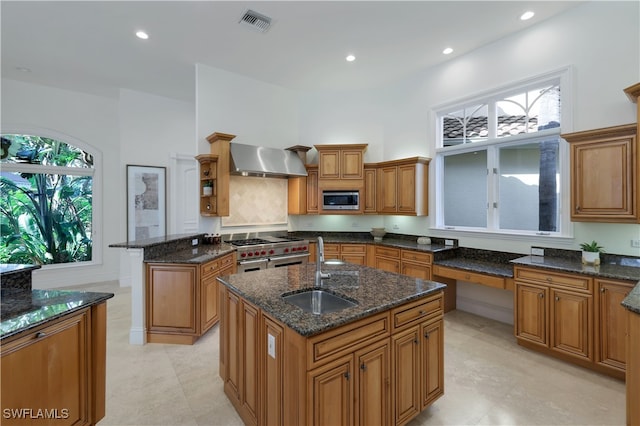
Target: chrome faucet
[(319, 260)]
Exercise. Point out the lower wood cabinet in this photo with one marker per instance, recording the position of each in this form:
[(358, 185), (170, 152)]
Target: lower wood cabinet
[(347, 252), (633, 367), (572, 316), (59, 367), (359, 373), (182, 299)]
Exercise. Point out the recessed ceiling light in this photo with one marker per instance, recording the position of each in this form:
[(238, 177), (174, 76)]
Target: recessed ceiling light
[(447, 51), (142, 35), (527, 15), (350, 58)]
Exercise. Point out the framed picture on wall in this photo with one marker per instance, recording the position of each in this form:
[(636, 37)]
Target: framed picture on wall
[(146, 202)]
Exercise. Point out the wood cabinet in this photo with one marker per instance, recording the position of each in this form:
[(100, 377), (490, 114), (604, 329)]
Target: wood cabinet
[(347, 252), (59, 367), (417, 356), (182, 299), (368, 199), (604, 175), (208, 184), (554, 313), (402, 186), (611, 324), (343, 376), (416, 264), (219, 150), (633, 367), (386, 258), (341, 162), (303, 192)]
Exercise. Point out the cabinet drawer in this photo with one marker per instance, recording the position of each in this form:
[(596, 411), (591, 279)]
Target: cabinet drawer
[(552, 278), (388, 251), (474, 277), (344, 340), (417, 311), (215, 265), (416, 256), (353, 248)]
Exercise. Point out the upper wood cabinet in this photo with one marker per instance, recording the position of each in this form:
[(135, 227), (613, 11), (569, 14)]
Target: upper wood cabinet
[(207, 184), (303, 192), (604, 175), (218, 203), (368, 199), (402, 186), (341, 166)]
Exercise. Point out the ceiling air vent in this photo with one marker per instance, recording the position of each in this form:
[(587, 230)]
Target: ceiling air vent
[(255, 21)]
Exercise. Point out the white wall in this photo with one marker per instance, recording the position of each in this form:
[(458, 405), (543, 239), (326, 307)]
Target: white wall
[(598, 39), (257, 113), (137, 128), (94, 121)]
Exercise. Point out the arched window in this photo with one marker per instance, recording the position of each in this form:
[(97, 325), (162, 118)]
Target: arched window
[(46, 202)]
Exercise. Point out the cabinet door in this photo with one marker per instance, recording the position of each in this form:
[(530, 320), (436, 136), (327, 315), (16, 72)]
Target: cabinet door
[(172, 293), (531, 313), (353, 253), (249, 361), (611, 323), (329, 164), (387, 186), (603, 178), (232, 339), (272, 361), (387, 264), (208, 302), (373, 402), (416, 270), (571, 323), (406, 191), (351, 164), (331, 251), (312, 190), (370, 190), (432, 362), (405, 361), (49, 369), (331, 388)]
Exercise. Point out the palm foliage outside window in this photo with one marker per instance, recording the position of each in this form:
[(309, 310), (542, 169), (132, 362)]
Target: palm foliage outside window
[(46, 202)]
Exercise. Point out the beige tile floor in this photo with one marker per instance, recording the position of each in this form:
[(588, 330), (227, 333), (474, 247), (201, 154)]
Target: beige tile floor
[(489, 380)]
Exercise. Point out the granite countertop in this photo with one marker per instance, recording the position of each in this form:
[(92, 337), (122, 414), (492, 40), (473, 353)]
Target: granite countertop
[(150, 242), (393, 240), (22, 309), (617, 268), (13, 268), (373, 289), (199, 254), (632, 301)]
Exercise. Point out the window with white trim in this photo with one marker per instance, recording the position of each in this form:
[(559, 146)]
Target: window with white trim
[(46, 202), (500, 161)]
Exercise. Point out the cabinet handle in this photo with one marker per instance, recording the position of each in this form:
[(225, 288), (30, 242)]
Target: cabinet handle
[(426, 334), (415, 341), (363, 367), (540, 295), (549, 279), (577, 208), (421, 312), (557, 298), (40, 334), (347, 375), (603, 290)]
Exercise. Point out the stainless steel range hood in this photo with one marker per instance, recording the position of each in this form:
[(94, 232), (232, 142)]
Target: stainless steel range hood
[(249, 160)]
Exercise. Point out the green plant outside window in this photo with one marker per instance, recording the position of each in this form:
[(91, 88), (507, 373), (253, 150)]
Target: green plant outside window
[(46, 201)]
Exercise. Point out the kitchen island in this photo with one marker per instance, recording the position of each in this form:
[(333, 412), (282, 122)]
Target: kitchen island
[(378, 362)]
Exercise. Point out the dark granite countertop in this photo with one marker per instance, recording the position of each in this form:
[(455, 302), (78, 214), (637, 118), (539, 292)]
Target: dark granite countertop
[(632, 301), (373, 289), (22, 309), (12, 268), (618, 268), (390, 240), (200, 254), (150, 242)]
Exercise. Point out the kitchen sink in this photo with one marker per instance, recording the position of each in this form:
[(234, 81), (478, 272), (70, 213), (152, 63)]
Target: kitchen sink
[(318, 301)]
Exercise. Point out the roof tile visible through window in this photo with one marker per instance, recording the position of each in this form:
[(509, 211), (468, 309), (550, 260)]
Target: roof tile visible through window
[(477, 126)]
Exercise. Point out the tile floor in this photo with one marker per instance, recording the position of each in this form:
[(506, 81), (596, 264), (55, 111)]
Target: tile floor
[(489, 380)]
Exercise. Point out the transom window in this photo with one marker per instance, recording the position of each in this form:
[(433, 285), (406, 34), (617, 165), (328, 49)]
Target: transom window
[(46, 202), (500, 161)]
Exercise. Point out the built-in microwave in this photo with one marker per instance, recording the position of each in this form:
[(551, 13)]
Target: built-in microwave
[(340, 200)]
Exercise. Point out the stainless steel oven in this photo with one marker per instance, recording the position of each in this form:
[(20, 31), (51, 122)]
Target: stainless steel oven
[(257, 252), (294, 259)]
